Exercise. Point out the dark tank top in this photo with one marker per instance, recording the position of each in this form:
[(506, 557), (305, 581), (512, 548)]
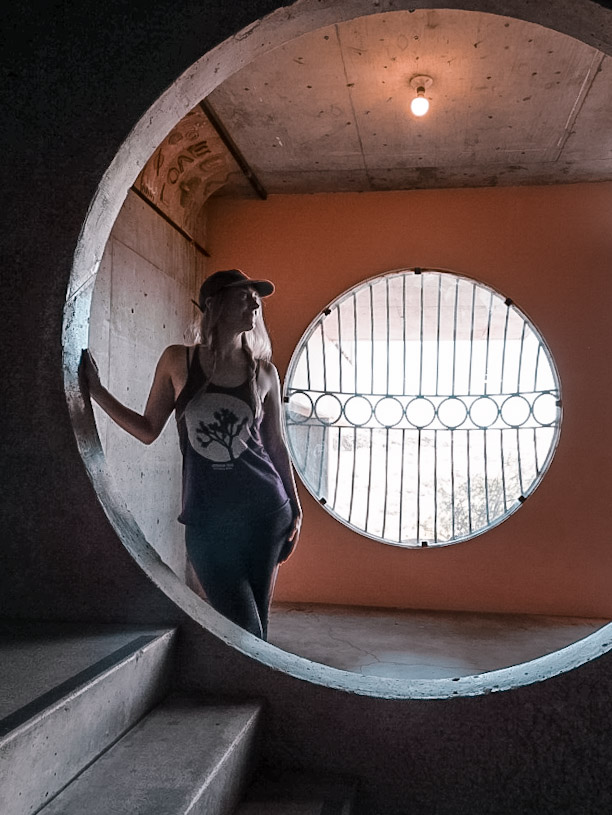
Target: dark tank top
[(225, 466)]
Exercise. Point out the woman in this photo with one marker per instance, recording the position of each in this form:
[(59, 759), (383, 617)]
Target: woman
[(241, 511)]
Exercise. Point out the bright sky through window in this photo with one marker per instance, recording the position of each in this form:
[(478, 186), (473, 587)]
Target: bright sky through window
[(422, 408)]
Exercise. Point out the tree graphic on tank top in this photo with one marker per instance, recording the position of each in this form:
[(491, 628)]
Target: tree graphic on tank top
[(224, 430)]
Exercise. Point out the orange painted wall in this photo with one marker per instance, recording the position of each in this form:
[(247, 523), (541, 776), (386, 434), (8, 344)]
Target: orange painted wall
[(550, 250)]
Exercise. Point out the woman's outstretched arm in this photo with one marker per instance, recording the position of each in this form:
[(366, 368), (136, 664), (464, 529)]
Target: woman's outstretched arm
[(147, 426), (274, 443)]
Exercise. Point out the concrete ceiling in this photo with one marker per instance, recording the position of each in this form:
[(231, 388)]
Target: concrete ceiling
[(511, 103)]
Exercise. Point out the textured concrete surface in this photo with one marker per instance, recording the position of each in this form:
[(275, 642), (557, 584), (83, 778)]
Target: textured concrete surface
[(189, 165), (142, 303), (542, 748), (46, 742), (184, 758), (299, 794), (511, 104), (35, 658), (73, 99), (419, 645), (281, 808)]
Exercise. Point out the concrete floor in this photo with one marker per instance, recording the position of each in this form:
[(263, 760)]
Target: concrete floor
[(394, 643)]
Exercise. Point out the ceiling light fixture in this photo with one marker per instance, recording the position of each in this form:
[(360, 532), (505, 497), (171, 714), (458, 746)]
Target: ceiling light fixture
[(420, 104)]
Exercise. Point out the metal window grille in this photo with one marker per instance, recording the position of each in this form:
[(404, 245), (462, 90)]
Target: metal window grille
[(422, 408)]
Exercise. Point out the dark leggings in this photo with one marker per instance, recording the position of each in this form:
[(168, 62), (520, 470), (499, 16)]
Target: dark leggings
[(235, 559)]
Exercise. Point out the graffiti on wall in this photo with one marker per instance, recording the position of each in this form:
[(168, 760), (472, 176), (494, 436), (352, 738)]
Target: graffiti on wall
[(186, 169)]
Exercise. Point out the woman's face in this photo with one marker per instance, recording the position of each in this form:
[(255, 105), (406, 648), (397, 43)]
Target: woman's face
[(240, 308)]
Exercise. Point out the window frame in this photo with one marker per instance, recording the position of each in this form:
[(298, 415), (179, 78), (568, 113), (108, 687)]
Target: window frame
[(541, 467)]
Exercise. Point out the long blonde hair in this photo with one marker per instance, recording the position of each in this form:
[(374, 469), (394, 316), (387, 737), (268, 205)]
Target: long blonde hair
[(255, 343)]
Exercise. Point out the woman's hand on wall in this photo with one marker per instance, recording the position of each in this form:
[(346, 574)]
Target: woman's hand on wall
[(89, 374)]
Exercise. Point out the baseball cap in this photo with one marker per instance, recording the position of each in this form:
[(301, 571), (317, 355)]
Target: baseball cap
[(231, 279)]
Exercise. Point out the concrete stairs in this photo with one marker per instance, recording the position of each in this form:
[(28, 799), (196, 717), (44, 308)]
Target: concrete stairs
[(67, 692), (87, 728), (184, 757)]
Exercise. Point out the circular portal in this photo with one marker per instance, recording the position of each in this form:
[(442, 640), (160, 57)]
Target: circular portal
[(197, 82)]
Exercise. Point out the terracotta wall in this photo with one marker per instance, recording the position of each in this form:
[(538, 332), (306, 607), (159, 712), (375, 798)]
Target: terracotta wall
[(549, 249)]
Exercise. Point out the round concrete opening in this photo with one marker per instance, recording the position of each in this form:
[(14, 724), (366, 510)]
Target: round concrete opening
[(195, 84)]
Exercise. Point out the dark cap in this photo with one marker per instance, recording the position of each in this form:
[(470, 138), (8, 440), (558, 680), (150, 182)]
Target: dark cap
[(232, 279)]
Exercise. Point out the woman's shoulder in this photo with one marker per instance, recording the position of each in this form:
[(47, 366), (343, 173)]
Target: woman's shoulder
[(173, 351), (267, 369), (268, 377), (175, 355)]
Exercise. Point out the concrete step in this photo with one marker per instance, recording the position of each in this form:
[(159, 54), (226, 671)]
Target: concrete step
[(186, 756), (66, 693), (296, 793)]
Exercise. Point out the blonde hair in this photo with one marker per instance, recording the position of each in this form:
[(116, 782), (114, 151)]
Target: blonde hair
[(255, 343)]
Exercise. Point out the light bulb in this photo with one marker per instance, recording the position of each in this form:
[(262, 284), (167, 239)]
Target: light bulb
[(419, 105)]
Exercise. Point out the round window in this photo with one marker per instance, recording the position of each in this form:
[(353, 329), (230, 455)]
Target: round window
[(421, 408)]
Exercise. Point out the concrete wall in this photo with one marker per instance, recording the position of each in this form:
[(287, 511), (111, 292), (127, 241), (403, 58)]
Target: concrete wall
[(141, 304), (547, 248), (77, 78)]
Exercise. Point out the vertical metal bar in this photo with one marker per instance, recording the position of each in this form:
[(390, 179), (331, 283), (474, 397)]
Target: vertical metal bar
[(452, 463), (518, 454), (435, 485), (355, 334), (388, 331), (503, 365), (337, 467), (401, 498), (469, 481), (350, 514), (339, 348), (307, 450), (535, 451), (503, 468), (486, 475), (323, 455), (418, 496), (518, 375), (371, 339), (455, 334), (308, 380), (486, 379), (369, 493), (472, 341), (421, 351), (537, 362), (405, 325), (386, 481), (438, 336), (324, 356)]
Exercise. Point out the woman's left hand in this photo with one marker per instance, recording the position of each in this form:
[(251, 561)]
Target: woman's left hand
[(293, 536)]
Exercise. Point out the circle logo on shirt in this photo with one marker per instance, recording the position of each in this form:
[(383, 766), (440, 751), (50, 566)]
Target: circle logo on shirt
[(218, 426)]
